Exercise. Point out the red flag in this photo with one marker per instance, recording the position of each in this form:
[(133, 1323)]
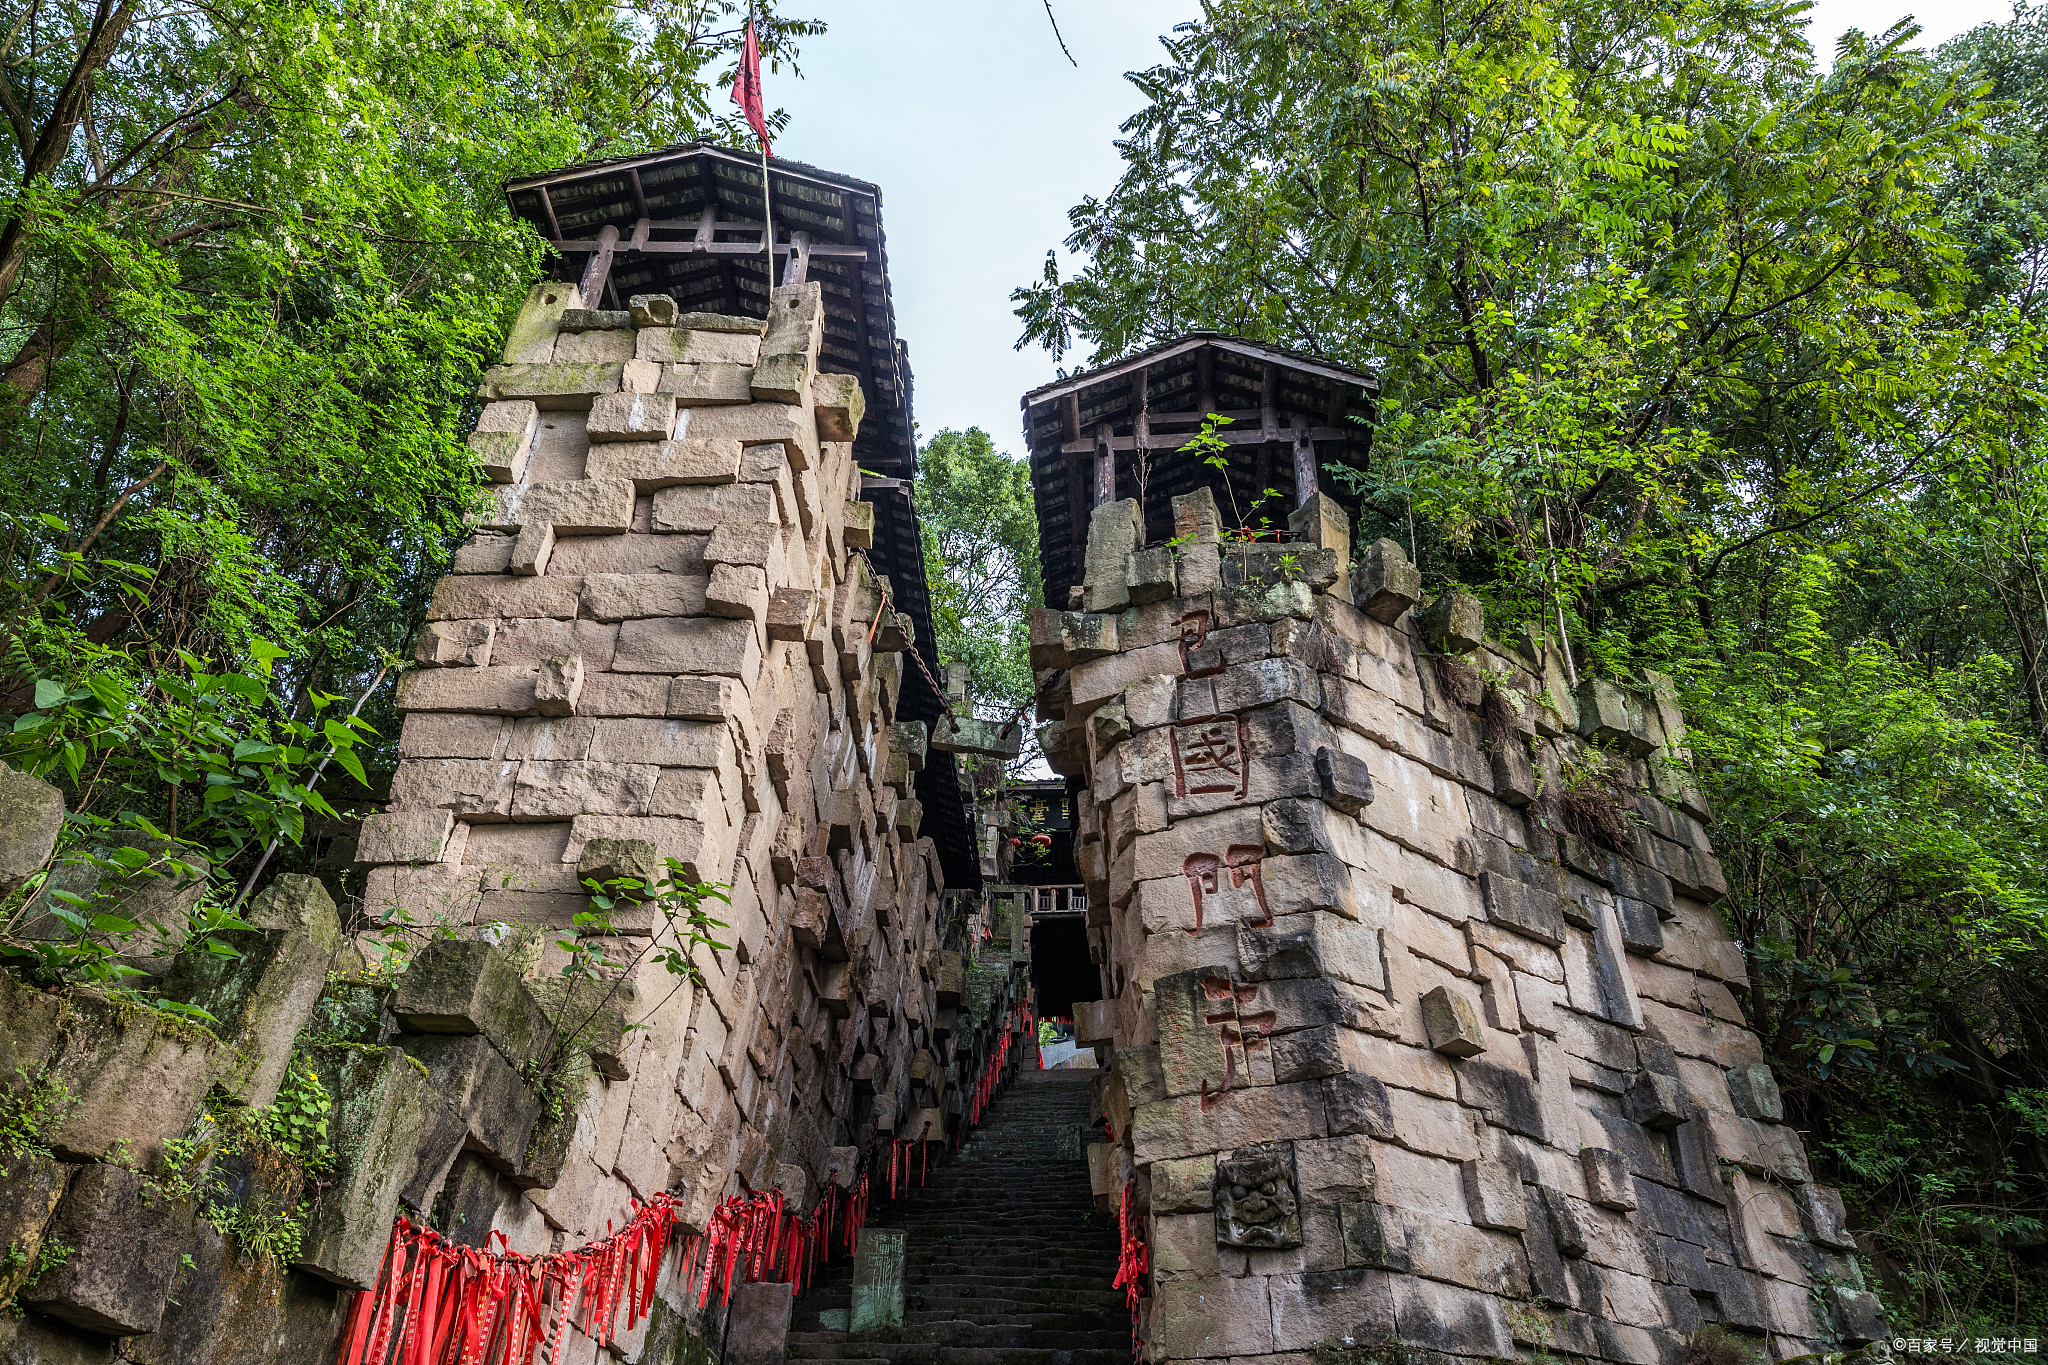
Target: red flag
[(746, 89)]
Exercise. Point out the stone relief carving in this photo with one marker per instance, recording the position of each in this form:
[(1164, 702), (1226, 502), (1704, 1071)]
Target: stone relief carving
[(1257, 1202)]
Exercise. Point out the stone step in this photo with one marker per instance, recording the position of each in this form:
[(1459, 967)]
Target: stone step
[(1007, 1260)]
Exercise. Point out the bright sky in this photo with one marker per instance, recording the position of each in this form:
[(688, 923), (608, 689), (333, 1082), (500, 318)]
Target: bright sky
[(981, 137)]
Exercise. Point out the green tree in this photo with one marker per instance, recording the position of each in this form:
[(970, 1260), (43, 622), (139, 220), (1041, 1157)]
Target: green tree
[(1640, 281), (980, 531), (1725, 363), (252, 259)]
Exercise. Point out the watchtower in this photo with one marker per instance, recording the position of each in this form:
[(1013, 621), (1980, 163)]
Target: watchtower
[(1113, 433)]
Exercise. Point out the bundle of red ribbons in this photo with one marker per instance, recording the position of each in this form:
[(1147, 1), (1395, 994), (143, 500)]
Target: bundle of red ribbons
[(985, 1088), (436, 1303), (1133, 1261)]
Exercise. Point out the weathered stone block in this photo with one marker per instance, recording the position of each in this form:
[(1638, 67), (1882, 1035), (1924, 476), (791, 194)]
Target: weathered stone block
[(791, 613), (1452, 1023), (652, 310), (1524, 908), (859, 528), (576, 320), (31, 813), (1658, 1101), (558, 684), (552, 387), (1454, 623), (757, 1331), (1343, 780), (470, 987), (1567, 1227), (1373, 1236), (1822, 1217), (1114, 531), (30, 1188), (1149, 575), (1187, 1185), (1608, 1181), (497, 1108), (1086, 636), (1755, 1092), (972, 735), (661, 465), (1857, 1314), (503, 440), (138, 1077), (631, 417), (1609, 716), (584, 507), (878, 1281), (259, 1000), (603, 345), (532, 338), (704, 386), (839, 405), (1386, 583), (455, 644), (1452, 1319), (713, 646), (124, 1245), (1493, 1195), (382, 1104)]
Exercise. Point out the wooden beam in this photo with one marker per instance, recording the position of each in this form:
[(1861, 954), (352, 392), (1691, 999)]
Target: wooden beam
[(638, 241), (799, 266), (1123, 444), (820, 250), (1304, 462), (547, 206), (1105, 466), (707, 226), (599, 267), (639, 193)]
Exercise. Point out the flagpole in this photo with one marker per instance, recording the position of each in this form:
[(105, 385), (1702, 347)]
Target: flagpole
[(767, 200)]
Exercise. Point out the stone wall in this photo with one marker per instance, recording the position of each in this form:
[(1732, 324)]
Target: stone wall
[(1422, 1020), (662, 644)]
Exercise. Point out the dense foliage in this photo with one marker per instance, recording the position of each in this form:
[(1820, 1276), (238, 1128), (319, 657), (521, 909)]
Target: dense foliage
[(981, 559), (1722, 359), (253, 258)]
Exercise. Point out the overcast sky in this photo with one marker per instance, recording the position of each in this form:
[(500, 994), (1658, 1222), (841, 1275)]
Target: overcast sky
[(981, 136)]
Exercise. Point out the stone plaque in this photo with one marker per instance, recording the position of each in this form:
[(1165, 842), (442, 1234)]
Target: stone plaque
[(1257, 1203), (1209, 755)]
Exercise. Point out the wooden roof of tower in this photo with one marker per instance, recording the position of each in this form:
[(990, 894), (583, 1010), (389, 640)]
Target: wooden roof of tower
[(686, 221), (1291, 416)]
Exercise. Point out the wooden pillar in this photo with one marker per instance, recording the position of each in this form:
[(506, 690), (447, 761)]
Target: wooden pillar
[(599, 268), (1141, 433), (1105, 467), (1269, 430), (799, 266), (1304, 462), (1077, 487)]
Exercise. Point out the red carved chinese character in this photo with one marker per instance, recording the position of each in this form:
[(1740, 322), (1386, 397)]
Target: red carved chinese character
[(1210, 756)]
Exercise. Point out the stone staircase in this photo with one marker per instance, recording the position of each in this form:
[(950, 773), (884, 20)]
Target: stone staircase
[(1007, 1262)]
